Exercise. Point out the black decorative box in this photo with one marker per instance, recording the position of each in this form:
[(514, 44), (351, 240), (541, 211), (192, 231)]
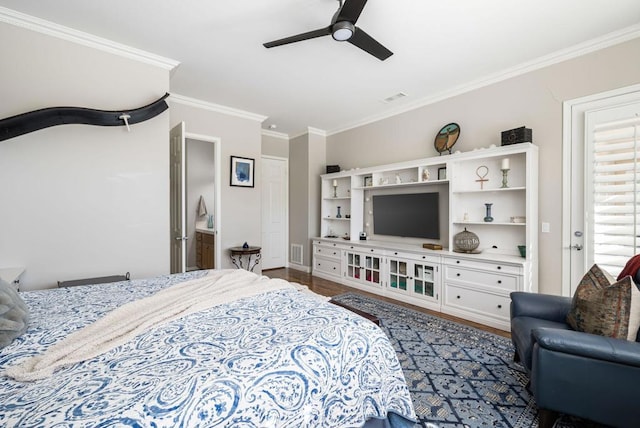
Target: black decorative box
[(517, 135), (333, 168)]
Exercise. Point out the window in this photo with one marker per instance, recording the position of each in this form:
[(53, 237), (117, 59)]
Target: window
[(612, 197)]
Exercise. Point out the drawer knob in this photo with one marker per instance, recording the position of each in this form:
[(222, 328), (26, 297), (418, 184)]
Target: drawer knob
[(457, 274), (334, 268), (457, 297), (499, 267), (499, 306), (334, 253), (424, 257), (458, 261), (499, 281)]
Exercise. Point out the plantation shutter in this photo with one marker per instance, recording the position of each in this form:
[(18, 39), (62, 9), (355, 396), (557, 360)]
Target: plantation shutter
[(612, 186)]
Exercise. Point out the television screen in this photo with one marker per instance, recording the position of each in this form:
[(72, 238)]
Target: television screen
[(412, 215)]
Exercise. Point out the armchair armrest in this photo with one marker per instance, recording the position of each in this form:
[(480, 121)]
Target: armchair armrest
[(543, 306), (589, 345)]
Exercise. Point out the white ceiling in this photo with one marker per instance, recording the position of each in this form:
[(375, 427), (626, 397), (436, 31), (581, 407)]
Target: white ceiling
[(440, 48)]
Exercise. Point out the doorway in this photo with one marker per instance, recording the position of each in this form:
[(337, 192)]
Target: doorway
[(195, 196), (275, 211), (601, 177)]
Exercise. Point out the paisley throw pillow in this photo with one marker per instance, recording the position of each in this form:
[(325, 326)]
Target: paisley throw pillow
[(605, 307)]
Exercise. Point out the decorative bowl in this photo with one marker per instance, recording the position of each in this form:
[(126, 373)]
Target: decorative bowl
[(518, 219)]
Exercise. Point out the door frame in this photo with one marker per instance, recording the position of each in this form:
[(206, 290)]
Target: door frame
[(217, 142), (286, 204), (573, 125), (177, 224)]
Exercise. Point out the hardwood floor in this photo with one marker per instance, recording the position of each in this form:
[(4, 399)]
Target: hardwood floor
[(330, 288)]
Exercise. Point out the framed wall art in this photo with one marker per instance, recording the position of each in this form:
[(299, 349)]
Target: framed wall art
[(242, 170)]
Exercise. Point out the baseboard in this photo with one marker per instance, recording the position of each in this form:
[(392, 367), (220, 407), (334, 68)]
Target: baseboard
[(302, 268)]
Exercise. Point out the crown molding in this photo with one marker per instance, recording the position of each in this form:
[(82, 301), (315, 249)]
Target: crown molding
[(194, 102), (299, 134), (316, 131), (310, 130), (608, 40), (55, 30), (274, 134)]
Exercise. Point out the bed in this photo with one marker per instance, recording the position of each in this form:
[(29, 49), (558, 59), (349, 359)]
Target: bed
[(281, 358)]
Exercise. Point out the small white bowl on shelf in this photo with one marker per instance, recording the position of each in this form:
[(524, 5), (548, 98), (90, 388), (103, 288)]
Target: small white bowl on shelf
[(518, 219)]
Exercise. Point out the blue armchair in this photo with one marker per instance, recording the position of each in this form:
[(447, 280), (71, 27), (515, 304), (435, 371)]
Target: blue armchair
[(580, 374)]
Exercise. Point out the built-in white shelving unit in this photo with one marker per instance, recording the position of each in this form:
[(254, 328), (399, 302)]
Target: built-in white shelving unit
[(473, 286)]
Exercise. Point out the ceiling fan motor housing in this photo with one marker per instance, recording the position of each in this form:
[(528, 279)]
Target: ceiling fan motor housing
[(342, 31)]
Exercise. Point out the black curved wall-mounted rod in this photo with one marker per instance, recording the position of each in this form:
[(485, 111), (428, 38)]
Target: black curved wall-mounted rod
[(39, 119)]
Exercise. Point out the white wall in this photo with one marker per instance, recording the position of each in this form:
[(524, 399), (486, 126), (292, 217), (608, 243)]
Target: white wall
[(533, 99), (317, 166), (307, 155), (275, 146), (299, 178), (80, 200), (241, 206)]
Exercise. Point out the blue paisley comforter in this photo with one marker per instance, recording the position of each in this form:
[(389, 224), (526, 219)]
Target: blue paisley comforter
[(279, 359)]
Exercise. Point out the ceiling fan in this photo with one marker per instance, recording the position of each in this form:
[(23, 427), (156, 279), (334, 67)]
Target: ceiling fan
[(343, 29)]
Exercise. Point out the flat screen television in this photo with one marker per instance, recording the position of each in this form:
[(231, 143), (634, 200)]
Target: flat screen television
[(412, 215)]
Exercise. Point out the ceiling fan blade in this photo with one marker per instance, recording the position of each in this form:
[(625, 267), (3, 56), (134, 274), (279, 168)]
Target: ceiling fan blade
[(299, 37), (369, 44), (350, 11)]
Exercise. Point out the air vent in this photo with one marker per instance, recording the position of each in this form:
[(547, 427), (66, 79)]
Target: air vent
[(395, 97), (296, 253)]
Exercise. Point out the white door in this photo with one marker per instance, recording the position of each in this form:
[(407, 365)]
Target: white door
[(601, 227), (177, 200), (275, 224)]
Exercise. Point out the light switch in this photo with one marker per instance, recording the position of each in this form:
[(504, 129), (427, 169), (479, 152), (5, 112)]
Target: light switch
[(546, 227)]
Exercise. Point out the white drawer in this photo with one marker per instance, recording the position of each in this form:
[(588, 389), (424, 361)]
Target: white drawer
[(326, 265), (424, 258), (478, 301), (327, 251), (366, 250), (481, 265), (482, 278), (329, 244)]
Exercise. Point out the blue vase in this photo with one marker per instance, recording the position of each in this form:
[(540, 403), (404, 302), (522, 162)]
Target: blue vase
[(488, 217), (210, 221), (338, 215)]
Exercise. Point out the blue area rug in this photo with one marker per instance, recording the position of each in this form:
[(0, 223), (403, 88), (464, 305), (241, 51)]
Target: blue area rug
[(458, 376)]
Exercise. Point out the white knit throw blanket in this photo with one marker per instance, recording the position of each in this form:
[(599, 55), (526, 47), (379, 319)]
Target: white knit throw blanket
[(124, 323)]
